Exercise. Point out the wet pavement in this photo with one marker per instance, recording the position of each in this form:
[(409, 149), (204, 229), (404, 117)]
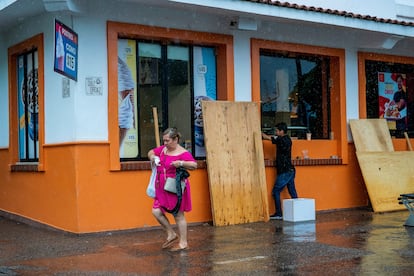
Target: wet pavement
[(352, 242)]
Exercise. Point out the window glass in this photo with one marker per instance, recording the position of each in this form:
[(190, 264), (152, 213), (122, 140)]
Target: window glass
[(173, 79), (390, 95), (150, 94), (295, 90), (28, 106), (179, 90)]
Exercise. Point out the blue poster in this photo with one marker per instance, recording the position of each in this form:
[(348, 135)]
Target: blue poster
[(205, 89), (21, 107), (66, 51), (28, 106)]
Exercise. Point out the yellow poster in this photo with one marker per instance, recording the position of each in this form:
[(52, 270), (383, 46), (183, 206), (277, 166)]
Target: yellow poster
[(127, 95)]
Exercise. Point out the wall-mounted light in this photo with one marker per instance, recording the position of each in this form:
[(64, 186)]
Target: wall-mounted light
[(244, 23), (390, 42), (62, 5)]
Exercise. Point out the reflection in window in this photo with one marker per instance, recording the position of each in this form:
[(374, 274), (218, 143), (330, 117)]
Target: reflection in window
[(295, 89), (179, 91)]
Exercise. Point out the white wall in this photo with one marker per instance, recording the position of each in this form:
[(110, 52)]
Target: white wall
[(81, 117), (352, 93), (91, 112), (59, 111), (54, 107), (242, 67), (78, 117)]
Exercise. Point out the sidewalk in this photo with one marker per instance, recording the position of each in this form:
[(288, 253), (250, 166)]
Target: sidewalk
[(352, 242)]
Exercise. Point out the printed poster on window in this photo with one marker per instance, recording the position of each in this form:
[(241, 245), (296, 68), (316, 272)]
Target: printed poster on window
[(66, 51), (28, 105), (127, 110), (392, 100), (205, 89)]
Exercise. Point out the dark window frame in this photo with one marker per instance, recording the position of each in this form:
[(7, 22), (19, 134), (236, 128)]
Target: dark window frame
[(35, 42)]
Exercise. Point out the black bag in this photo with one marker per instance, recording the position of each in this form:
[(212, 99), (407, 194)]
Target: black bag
[(180, 175)]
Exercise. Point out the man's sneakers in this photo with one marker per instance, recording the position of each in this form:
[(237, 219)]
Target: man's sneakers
[(276, 217)]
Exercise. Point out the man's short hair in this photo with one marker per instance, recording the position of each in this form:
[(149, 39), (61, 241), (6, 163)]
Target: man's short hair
[(282, 126)]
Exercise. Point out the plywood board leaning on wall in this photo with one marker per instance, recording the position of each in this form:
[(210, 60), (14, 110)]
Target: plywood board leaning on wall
[(235, 162), (386, 173), (386, 176), (371, 135)]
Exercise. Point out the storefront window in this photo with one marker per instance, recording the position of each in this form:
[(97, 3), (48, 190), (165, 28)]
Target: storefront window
[(294, 88), (28, 106), (171, 78), (390, 95)]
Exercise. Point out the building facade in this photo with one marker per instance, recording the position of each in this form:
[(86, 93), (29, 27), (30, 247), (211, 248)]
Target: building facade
[(79, 81)]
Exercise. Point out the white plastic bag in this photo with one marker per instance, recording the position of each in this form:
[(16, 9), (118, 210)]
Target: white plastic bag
[(151, 183)]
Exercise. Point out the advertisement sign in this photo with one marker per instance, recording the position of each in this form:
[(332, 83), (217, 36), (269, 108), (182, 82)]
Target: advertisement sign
[(205, 89), (127, 109), (392, 99), (28, 106), (66, 51)]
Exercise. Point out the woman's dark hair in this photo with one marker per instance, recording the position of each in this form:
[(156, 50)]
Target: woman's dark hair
[(172, 133), (282, 126)]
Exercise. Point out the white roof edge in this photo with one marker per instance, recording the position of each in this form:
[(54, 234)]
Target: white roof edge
[(5, 3), (405, 11), (257, 9)]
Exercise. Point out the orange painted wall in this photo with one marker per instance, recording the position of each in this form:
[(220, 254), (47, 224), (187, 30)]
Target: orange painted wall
[(88, 197), (82, 189), (117, 200), (45, 197), (332, 186), (315, 148), (78, 193)]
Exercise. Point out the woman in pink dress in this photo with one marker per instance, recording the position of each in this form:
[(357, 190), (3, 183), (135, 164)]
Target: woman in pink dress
[(168, 157)]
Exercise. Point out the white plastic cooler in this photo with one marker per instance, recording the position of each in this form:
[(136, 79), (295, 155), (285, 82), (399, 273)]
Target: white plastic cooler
[(299, 209)]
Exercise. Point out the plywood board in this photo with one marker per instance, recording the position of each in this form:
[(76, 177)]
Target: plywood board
[(386, 176), (235, 162), (371, 135), (387, 173)]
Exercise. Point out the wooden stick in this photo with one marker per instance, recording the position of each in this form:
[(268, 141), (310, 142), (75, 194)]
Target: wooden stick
[(260, 173), (156, 129), (408, 141)]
